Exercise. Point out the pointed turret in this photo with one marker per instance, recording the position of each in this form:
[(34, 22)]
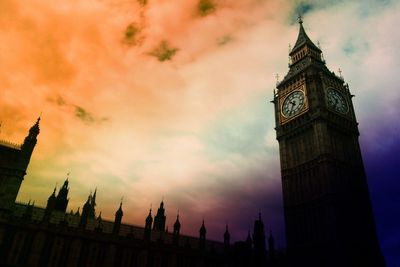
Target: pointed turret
[(177, 225), (92, 212), (259, 241), (147, 227), (159, 219), (33, 133), (51, 202), (249, 241), (14, 160), (93, 201), (29, 143), (85, 212), (227, 238), (62, 197), (118, 218), (77, 213), (202, 239), (177, 229), (303, 39), (99, 226), (304, 55)]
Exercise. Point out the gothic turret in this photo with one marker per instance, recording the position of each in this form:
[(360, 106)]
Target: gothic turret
[(259, 241), (14, 161), (118, 218), (86, 210), (227, 238), (202, 239), (159, 219), (249, 241), (92, 213), (51, 202), (62, 198), (177, 229), (30, 142), (147, 227), (304, 46), (99, 223)]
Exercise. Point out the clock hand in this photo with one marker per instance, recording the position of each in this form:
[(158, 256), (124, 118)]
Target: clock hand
[(293, 104)]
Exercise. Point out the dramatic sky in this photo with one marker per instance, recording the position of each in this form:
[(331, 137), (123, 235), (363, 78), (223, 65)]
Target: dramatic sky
[(155, 99)]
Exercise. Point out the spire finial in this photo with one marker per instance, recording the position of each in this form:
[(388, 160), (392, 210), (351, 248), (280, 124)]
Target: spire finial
[(340, 74), (300, 19), (277, 78)]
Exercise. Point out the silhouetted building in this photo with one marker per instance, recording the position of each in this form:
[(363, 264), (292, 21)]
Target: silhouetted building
[(202, 238), (51, 203), (147, 227), (177, 229), (61, 201), (227, 239), (159, 219), (118, 219), (259, 242), (14, 160), (249, 241), (327, 209)]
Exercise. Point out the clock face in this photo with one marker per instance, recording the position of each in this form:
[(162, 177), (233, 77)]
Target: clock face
[(293, 104), (336, 101)]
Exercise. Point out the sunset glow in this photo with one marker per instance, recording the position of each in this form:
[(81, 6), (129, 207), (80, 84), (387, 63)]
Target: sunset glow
[(151, 100)]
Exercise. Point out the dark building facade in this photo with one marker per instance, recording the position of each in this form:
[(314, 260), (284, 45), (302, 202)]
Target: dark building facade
[(35, 236), (14, 160), (328, 214)]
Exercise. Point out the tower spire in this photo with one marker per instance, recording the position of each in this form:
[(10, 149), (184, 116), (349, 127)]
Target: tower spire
[(118, 218), (303, 39)]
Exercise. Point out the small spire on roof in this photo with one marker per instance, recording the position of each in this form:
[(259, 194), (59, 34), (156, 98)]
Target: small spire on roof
[(340, 74), (300, 19)]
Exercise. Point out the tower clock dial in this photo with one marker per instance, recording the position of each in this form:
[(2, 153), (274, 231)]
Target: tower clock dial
[(336, 101), (293, 104)]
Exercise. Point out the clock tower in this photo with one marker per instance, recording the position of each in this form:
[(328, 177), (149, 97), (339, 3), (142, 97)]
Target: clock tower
[(328, 214)]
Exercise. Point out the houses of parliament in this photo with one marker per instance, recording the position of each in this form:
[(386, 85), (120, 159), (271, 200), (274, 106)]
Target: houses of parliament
[(328, 215)]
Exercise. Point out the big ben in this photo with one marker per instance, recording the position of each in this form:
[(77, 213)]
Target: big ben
[(328, 214)]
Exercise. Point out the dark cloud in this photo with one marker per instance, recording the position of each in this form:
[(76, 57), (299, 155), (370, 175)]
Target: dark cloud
[(82, 114), (78, 111), (131, 35), (60, 101), (303, 8), (142, 2), (164, 51), (205, 7), (224, 40)]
